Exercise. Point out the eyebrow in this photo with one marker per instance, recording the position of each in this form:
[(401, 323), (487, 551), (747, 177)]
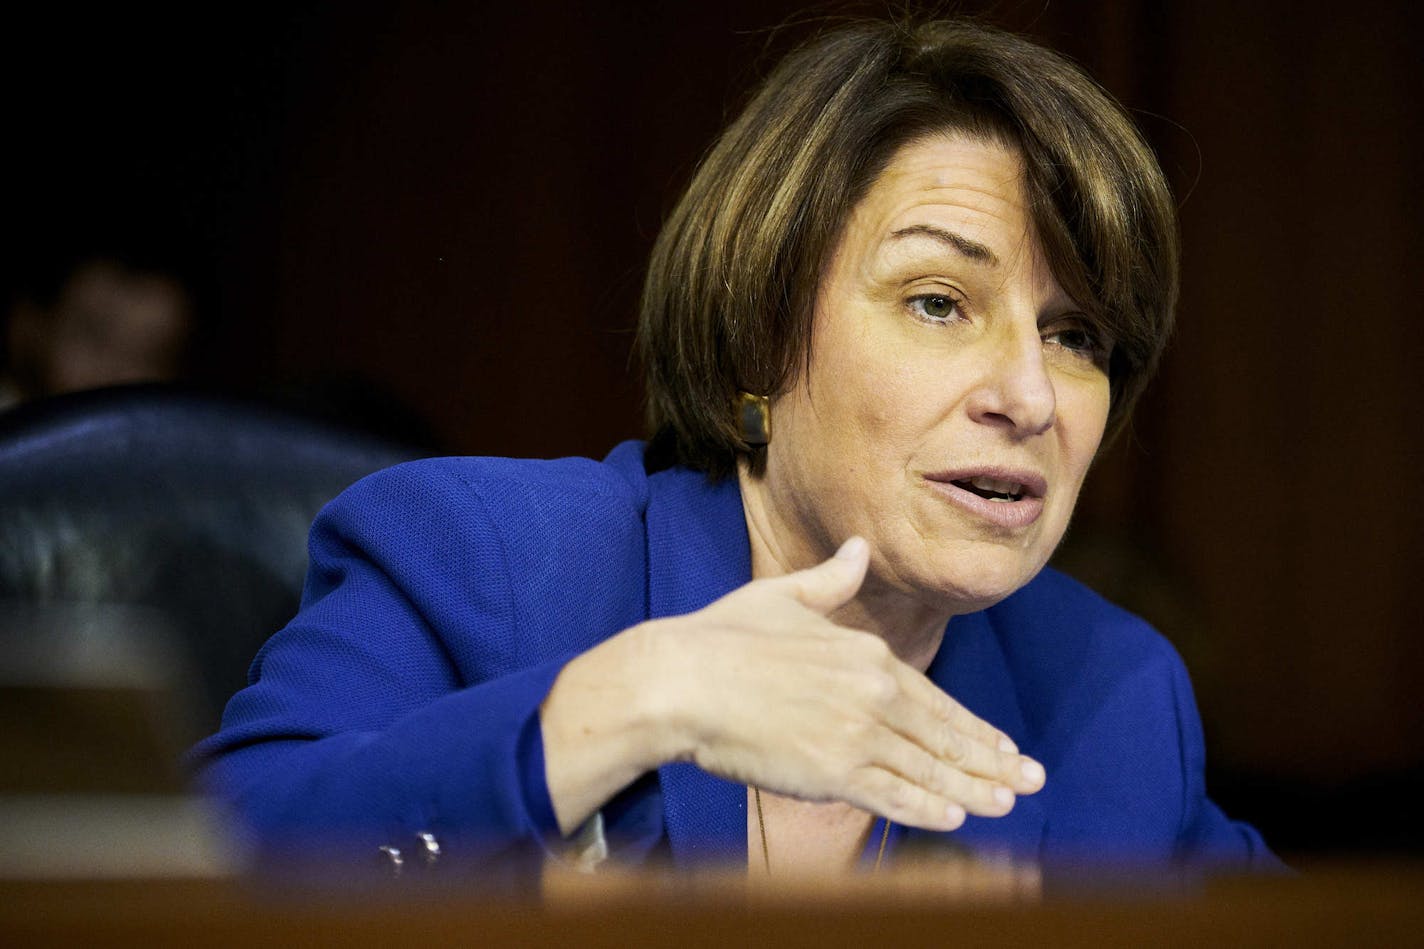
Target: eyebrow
[(974, 250)]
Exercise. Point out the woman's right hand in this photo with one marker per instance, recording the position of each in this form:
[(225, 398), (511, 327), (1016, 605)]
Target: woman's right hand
[(761, 687)]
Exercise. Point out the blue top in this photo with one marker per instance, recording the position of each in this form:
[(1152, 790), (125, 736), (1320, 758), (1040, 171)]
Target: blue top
[(445, 595)]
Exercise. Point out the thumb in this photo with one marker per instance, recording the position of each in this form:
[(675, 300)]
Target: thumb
[(832, 583)]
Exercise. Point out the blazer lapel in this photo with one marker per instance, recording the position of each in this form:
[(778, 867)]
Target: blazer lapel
[(697, 552)]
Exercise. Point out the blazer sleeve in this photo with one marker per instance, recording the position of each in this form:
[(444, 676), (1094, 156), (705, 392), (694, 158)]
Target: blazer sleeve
[(403, 699), (1208, 837), (1109, 709)]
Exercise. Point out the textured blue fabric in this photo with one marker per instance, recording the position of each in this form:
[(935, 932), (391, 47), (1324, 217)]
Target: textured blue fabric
[(445, 595)]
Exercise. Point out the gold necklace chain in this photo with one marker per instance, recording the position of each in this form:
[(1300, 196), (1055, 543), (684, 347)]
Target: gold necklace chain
[(766, 853)]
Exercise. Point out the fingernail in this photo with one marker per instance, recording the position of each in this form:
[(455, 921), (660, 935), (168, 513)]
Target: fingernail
[(1007, 746), (955, 814), (851, 549), (1033, 771), (1003, 796)]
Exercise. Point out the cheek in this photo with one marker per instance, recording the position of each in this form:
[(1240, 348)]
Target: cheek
[(1083, 415), (877, 385)]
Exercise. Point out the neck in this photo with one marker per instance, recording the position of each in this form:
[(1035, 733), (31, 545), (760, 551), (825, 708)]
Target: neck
[(911, 628)]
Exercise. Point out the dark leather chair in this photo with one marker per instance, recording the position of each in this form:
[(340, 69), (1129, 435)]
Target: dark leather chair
[(191, 508)]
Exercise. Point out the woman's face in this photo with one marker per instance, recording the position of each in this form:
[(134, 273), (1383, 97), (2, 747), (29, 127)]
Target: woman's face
[(955, 396)]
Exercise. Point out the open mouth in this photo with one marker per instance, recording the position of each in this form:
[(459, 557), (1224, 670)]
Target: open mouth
[(992, 489)]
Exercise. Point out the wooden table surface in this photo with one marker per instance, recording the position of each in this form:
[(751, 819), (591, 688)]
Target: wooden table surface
[(1353, 905)]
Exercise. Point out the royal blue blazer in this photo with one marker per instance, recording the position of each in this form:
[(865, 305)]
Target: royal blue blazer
[(445, 595)]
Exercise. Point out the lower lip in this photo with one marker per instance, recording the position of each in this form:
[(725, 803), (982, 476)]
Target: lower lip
[(1008, 515)]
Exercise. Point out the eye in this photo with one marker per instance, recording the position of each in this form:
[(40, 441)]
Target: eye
[(934, 307), (1078, 340), (1081, 340)]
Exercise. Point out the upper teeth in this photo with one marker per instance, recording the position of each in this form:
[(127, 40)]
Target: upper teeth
[(997, 486)]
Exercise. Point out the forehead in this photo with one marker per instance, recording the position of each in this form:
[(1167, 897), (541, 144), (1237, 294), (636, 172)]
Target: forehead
[(974, 183)]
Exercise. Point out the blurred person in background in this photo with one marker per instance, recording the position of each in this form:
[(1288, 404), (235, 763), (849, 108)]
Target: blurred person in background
[(96, 321)]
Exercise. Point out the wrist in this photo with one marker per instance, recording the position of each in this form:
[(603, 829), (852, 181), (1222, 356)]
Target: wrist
[(606, 721), (661, 709)]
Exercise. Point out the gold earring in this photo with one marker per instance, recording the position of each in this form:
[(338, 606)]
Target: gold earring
[(754, 411)]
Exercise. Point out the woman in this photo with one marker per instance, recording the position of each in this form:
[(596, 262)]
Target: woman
[(885, 332)]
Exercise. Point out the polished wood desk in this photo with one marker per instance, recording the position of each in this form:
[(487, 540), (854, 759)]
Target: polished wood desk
[(1377, 905)]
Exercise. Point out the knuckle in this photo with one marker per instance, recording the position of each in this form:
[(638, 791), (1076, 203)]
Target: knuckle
[(881, 688), (931, 775), (979, 759), (860, 733), (954, 749), (1007, 766), (897, 798), (801, 588)]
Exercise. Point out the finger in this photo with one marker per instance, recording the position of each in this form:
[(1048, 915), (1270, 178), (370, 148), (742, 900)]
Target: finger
[(977, 795), (951, 733), (954, 749), (832, 583), (944, 743), (893, 797)]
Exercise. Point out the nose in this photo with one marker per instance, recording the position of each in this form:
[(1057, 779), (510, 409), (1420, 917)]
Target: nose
[(1015, 391)]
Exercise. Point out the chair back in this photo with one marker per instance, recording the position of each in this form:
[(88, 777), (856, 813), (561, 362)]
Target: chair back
[(191, 506)]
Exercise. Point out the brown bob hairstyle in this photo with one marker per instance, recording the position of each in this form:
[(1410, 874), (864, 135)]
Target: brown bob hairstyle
[(732, 282)]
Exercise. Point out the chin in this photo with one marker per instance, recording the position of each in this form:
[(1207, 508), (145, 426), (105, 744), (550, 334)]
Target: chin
[(968, 584)]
